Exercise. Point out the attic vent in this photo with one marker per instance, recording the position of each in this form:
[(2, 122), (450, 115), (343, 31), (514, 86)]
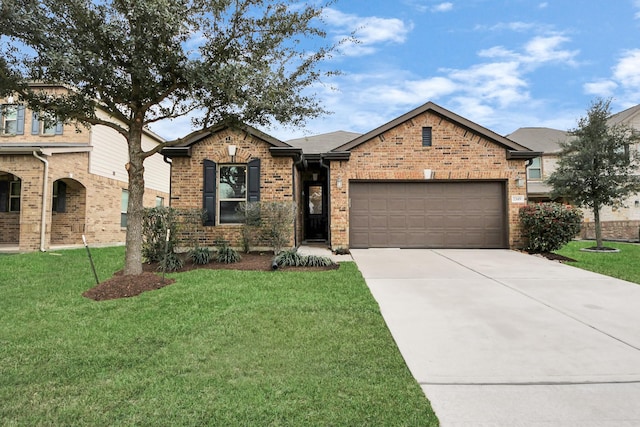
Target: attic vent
[(426, 136)]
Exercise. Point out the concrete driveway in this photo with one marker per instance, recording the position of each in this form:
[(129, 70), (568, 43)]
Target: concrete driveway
[(501, 338)]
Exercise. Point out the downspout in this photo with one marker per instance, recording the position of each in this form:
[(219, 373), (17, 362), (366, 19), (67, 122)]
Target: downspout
[(295, 165), (43, 220), (322, 165), (170, 174)]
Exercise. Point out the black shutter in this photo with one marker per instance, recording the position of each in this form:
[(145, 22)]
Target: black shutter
[(209, 192), (253, 177), (62, 197), (4, 196)]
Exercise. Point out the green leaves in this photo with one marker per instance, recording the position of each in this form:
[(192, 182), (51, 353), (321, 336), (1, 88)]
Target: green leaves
[(596, 167)]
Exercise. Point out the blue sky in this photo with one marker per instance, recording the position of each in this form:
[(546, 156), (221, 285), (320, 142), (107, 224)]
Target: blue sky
[(502, 64)]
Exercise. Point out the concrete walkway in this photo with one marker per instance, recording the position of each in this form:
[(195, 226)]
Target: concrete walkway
[(500, 338)]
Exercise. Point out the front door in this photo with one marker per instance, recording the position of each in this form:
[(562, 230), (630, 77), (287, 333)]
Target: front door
[(315, 215)]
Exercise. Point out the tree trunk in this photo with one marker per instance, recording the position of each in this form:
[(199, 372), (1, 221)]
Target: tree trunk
[(596, 219), (135, 208)]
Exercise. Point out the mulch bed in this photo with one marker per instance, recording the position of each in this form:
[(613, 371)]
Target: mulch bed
[(555, 257), (125, 286)]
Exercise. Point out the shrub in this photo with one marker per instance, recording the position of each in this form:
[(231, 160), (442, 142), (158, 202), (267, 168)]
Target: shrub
[(171, 262), (226, 254), (289, 258), (155, 224), (549, 226), (200, 255), (276, 225), (318, 261), (250, 229)]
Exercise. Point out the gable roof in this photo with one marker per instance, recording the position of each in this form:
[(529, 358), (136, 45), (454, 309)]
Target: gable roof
[(183, 148), (317, 144), (539, 138), (510, 145), (624, 116)]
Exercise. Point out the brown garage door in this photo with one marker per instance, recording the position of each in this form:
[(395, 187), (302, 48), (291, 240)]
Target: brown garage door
[(427, 215)]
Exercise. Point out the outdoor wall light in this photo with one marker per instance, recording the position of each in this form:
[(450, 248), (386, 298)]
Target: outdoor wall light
[(519, 182), (339, 182), (232, 152), (315, 176)]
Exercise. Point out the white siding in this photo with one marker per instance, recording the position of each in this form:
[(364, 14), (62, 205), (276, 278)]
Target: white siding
[(110, 155)]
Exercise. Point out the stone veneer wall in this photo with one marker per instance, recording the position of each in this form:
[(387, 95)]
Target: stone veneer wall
[(398, 154)]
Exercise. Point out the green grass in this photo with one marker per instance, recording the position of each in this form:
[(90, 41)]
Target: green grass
[(623, 265), (216, 348)]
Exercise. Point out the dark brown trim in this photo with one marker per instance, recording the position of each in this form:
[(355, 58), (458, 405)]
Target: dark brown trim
[(511, 155), (285, 151), (172, 152)]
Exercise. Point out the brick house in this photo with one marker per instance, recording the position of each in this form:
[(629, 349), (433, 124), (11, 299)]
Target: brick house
[(58, 182), (618, 223), (428, 179)]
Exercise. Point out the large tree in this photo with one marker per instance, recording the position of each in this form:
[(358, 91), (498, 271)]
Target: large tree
[(143, 61), (598, 165)]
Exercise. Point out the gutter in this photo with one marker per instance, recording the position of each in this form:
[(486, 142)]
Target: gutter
[(43, 221)]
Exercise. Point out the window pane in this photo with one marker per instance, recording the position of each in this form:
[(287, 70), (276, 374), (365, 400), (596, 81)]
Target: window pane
[(233, 182), (123, 220), (229, 213), (315, 199), (534, 174), (48, 129), (10, 118), (125, 201)]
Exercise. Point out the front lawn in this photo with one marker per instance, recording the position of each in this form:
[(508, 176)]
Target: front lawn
[(216, 348), (623, 265)]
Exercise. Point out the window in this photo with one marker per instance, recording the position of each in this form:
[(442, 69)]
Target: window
[(534, 170), (123, 208), (12, 119), (14, 196), (225, 187), (426, 136), (59, 199), (232, 190), (44, 126), (159, 201)]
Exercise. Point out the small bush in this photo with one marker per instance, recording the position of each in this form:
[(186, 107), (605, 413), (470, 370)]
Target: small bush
[(227, 255), (155, 223), (200, 255), (318, 261), (290, 258), (549, 226), (171, 262)]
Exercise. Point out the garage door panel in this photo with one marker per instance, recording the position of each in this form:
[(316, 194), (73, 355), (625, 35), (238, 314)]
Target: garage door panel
[(428, 214)]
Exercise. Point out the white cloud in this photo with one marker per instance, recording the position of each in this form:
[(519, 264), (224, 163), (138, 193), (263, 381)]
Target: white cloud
[(636, 4), (624, 81), (442, 7), (517, 26), (601, 88), (369, 31), (537, 51), (543, 5), (627, 71)]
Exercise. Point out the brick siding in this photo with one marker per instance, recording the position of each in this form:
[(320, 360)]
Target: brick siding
[(276, 180), (398, 154)]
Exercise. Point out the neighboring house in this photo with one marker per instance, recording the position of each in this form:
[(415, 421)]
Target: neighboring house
[(59, 182), (618, 223), (428, 179)]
